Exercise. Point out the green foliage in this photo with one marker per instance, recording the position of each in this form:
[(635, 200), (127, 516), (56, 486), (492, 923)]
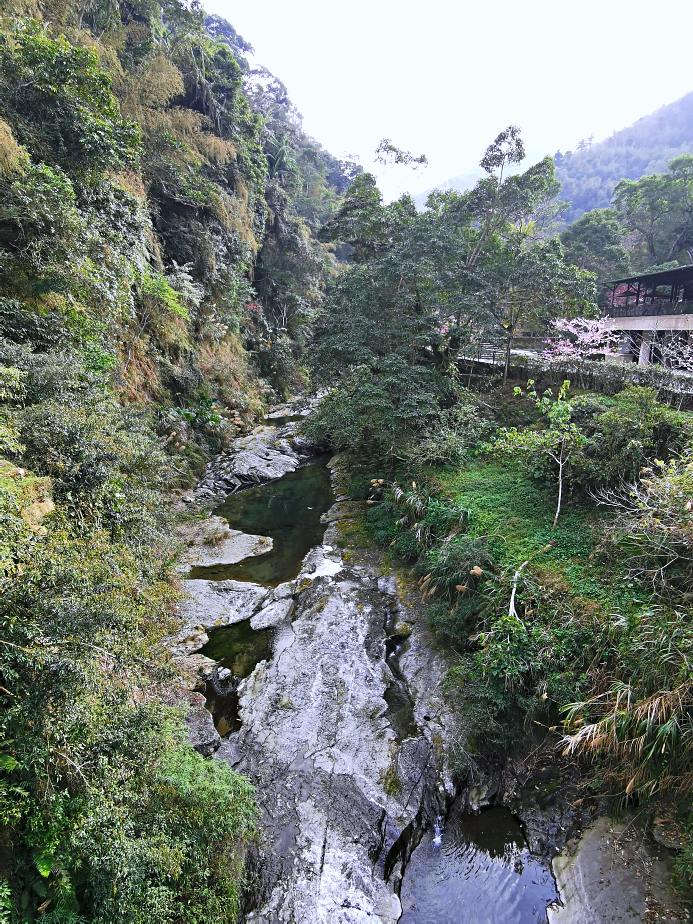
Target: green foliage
[(624, 433), (560, 440), (653, 527), (659, 209), (596, 242), (60, 103), (378, 414), (133, 823), (585, 621), (157, 288), (422, 285), (39, 219), (134, 221), (458, 431)]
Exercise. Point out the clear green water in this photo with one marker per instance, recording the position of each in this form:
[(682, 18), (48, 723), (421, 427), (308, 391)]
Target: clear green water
[(287, 510), (239, 648)]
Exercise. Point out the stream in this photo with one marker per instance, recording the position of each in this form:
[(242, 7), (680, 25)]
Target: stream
[(288, 511), (476, 869), (473, 868)]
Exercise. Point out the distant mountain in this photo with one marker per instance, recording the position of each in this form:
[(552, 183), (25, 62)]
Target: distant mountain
[(589, 174), (459, 183)]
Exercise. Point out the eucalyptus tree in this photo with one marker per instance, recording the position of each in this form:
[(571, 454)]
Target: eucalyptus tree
[(476, 229), (529, 283)]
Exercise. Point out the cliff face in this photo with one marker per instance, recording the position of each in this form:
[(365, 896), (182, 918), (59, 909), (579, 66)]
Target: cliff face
[(158, 279), (172, 197)]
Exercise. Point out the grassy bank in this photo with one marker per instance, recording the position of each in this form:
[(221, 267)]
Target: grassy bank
[(583, 628)]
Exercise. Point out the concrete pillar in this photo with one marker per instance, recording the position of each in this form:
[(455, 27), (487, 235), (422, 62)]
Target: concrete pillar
[(645, 348), (625, 349)]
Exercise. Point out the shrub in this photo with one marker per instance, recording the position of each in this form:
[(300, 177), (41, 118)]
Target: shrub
[(59, 102), (653, 527), (631, 430), (133, 823), (379, 414)]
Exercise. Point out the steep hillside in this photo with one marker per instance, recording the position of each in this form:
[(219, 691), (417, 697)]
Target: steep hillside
[(159, 276), (589, 175)]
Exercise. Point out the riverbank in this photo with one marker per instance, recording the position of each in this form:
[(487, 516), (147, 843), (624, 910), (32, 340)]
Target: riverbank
[(326, 690)]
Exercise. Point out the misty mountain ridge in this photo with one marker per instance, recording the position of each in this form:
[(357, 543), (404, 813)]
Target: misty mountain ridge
[(589, 174)]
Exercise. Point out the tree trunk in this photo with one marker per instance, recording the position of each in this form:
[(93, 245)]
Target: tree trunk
[(507, 357), (561, 463)]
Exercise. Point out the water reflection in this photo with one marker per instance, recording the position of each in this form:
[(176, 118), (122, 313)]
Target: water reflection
[(477, 870), (238, 648), (289, 511)]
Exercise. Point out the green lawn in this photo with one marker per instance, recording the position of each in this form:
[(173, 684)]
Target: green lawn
[(513, 512)]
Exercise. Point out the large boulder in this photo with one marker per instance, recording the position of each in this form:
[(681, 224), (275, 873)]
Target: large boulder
[(201, 731)]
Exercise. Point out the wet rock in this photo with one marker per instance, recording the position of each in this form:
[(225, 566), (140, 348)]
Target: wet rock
[(343, 510), (668, 833), (481, 795), (264, 455), (194, 669), (611, 873), (201, 731), (189, 640), (316, 740), (251, 459), (282, 591), (229, 751), (336, 785), (424, 668), (322, 561)]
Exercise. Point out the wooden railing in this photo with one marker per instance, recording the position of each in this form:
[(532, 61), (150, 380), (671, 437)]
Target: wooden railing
[(644, 310)]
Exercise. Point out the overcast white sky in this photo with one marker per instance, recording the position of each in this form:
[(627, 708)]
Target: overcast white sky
[(443, 78)]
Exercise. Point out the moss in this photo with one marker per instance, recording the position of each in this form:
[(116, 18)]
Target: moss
[(391, 782), (353, 531)]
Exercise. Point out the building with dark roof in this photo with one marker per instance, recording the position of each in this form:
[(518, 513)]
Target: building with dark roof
[(652, 310)]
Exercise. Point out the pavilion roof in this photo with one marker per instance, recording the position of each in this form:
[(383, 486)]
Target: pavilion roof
[(663, 277)]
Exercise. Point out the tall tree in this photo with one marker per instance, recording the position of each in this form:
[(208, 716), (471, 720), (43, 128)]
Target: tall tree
[(529, 282), (596, 242), (659, 209)]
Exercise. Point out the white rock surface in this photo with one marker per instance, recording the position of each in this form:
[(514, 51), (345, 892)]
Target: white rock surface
[(337, 787), (213, 542), (220, 603), (273, 615)]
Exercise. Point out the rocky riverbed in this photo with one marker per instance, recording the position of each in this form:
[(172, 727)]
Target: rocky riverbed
[(339, 719)]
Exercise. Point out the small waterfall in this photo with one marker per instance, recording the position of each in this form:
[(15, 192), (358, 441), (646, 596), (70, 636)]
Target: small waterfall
[(438, 832)]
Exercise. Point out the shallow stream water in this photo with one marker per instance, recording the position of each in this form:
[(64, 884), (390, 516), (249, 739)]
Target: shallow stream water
[(476, 869), (288, 510)]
